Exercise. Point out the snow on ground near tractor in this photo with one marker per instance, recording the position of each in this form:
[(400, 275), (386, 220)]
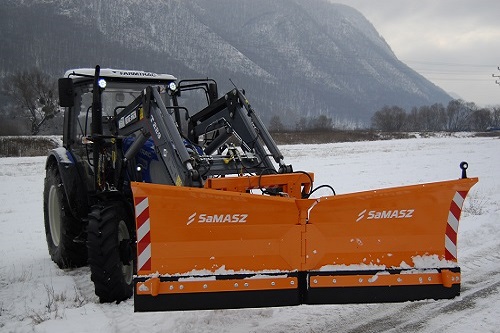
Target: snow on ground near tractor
[(36, 296)]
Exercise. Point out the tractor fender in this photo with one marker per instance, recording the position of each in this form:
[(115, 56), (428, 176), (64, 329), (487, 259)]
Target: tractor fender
[(74, 184)]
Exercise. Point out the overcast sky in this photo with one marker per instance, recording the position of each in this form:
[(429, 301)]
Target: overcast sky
[(453, 43)]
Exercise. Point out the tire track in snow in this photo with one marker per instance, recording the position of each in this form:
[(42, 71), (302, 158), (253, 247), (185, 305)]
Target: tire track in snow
[(480, 280), (115, 312), (121, 316), (84, 285)]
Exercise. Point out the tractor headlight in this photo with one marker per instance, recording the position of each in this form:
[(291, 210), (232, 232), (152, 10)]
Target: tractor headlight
[(172, 86), (102, 83)]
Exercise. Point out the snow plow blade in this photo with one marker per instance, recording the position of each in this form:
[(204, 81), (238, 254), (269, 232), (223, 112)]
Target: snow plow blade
[(222, 247)]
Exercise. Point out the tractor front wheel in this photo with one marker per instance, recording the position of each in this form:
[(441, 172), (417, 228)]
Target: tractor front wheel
[(62, 230), (110, 246)]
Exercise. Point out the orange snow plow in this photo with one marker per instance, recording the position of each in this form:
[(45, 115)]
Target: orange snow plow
[(222, 246), (221, 220)]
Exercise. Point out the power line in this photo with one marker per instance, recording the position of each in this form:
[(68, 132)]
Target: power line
[(456, 79), (439, 63), (439, 71), (423, 71)]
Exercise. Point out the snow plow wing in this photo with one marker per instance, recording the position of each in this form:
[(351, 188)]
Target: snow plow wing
[(224, 247)]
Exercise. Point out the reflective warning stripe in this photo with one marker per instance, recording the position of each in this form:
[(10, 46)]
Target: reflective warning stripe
[(450, 238), (143, 233)]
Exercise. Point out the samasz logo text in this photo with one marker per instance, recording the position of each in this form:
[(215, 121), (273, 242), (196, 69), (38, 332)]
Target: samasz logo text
[(385, 214), (217, 218)]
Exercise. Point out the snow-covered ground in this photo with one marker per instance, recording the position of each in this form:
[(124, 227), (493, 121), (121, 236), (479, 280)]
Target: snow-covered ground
[(37, 296)]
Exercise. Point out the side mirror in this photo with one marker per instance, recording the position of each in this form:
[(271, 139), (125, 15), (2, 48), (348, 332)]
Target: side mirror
[(66, 92), (213, 94)]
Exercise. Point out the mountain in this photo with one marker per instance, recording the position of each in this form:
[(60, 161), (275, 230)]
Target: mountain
[(294, 58)]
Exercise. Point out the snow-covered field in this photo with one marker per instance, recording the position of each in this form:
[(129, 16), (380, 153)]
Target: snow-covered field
[(37, 296)]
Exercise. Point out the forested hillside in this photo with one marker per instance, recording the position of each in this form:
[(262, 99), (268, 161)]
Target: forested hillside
[(295, 58)]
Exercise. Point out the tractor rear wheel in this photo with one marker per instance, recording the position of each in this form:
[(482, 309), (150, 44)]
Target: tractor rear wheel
[(61, 228), (110, 245)]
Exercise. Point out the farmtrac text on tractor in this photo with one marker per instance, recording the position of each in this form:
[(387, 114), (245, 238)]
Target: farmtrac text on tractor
[(198, 210)]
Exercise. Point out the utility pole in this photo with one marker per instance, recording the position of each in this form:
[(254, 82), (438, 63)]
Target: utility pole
[(497, 76)]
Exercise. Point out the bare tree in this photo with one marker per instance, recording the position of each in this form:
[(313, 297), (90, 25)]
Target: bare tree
[(34, 94), (437, 117), (495, 117), (275, 124), (481, 120), (413, 120), (389, 119), (301, 124), (321, 123), (12, 126), (458, 115)]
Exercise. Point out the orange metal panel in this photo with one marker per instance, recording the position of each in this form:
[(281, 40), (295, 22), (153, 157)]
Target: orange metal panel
[(196, 244), (386, 227), (446, 278), (155, 287), (206, 230), (292, 184)]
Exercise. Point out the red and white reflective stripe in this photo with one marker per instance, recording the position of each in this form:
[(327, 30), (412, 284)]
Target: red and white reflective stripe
[(143, 234), (450, 238)]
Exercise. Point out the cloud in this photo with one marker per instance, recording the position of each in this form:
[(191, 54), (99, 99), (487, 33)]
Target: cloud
[(454, 43)]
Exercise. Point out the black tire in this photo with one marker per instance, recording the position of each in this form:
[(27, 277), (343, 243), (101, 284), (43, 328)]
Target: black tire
[(61, 227), (111, 251)]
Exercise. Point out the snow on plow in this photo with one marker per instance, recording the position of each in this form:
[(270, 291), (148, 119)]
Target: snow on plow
[(223, 247)]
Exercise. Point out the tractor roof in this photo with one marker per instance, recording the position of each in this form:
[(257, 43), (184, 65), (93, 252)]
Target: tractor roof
[(118, 74)]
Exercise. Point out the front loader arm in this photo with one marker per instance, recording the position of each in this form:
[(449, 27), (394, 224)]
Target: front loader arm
[(264, 133), (232, 115), (148, 117)]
